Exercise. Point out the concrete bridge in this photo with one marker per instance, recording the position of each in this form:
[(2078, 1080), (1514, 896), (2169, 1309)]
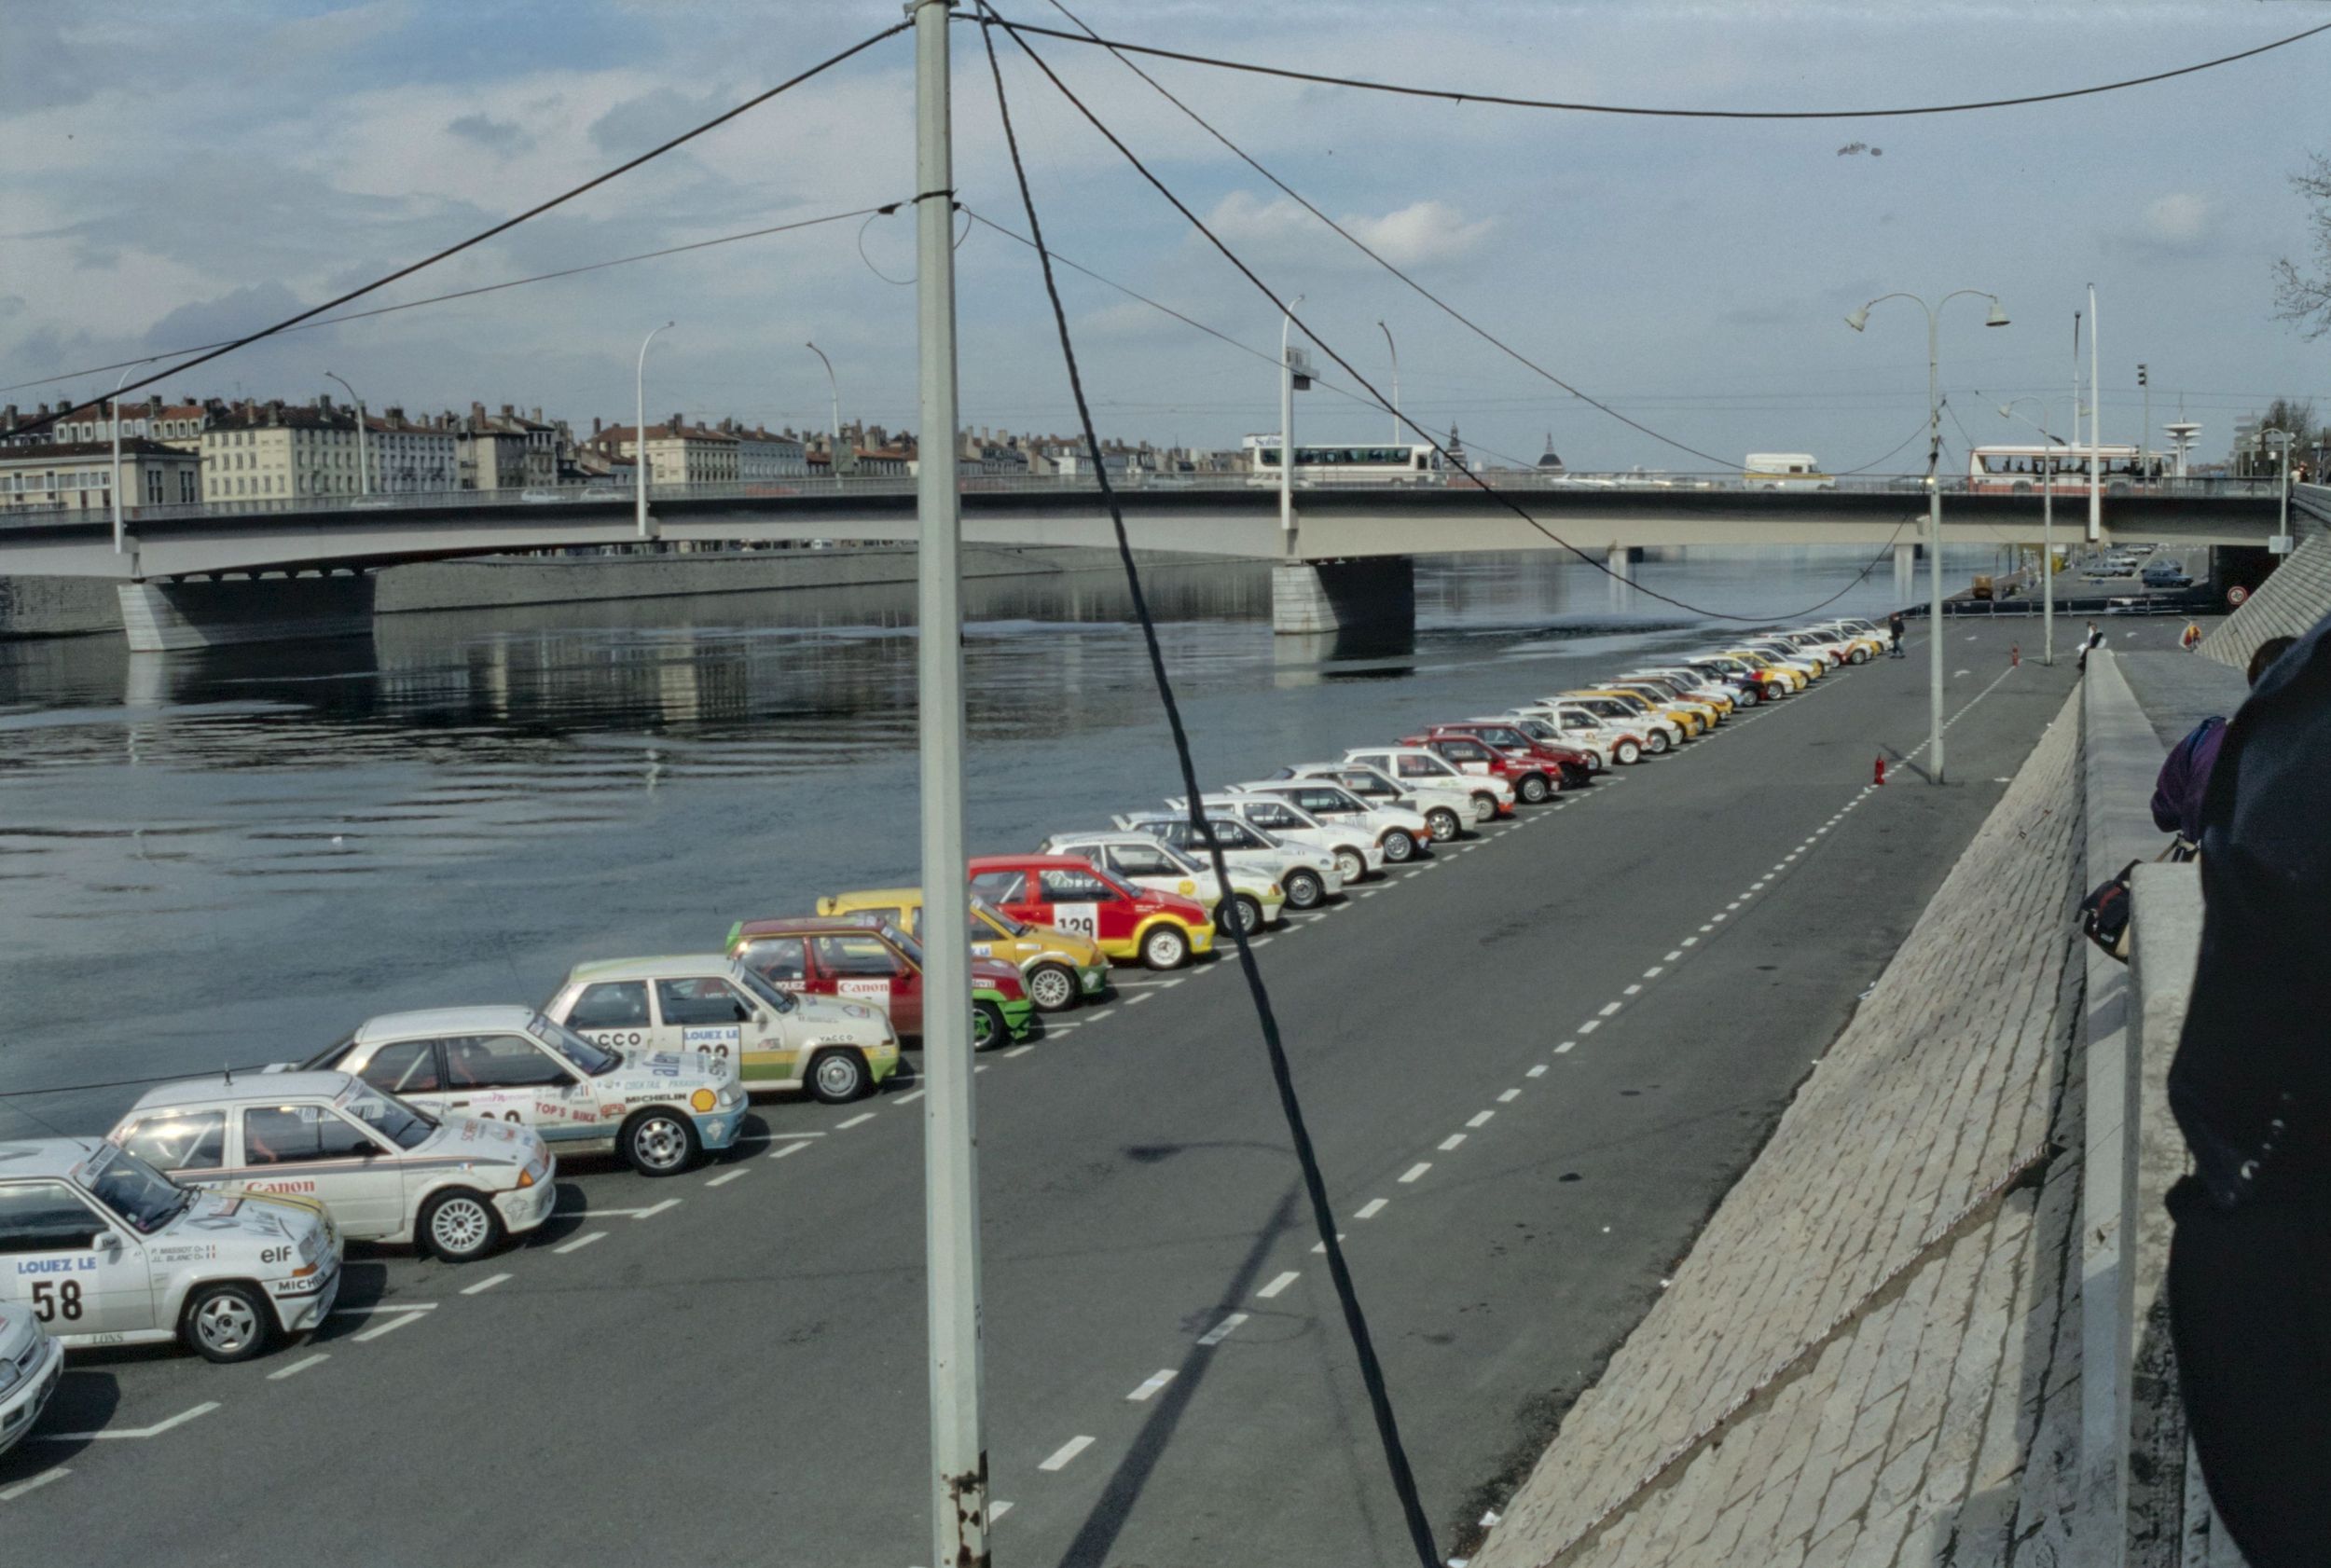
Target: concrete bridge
[(193, 576)]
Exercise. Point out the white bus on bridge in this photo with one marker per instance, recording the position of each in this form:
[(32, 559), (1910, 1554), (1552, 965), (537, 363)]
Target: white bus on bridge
[(1400, 464), (2064, 469)]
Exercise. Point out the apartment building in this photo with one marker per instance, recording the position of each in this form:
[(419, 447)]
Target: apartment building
[(407, 457), (77, 476), (274, 450)]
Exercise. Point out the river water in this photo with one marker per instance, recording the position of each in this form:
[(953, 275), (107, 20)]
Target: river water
[(235, 856)]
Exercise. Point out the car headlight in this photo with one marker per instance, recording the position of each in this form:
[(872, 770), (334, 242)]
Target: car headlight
[(9, 1376), (732, 1093)]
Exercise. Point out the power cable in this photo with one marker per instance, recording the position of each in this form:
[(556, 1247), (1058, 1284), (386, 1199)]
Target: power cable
[(1500, 101), (1447, 457), (1368, 250), (1290, 1106), (869, 213), (482, 236), (1865, 468)]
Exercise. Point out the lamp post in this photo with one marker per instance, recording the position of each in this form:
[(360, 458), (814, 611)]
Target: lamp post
[(2047, 529), (639, 432), (1287, 427), (1394, 348), (833, 390), (2280, 441), (1857, 320), (2096, 431), (120, 535), (364, 473)]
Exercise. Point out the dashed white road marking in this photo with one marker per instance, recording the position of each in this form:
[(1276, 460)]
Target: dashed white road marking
[(1566, 1047), (1608, 1008), (1322, 1246), (1223, 1330), (1734, 904), (1289, 1277), (579, 1243), (1721, 917), (1479, 1119), (1589, 1026), (294, 1369), (1097, 1017), (1692, 942), (1065, 1452), (1508, 1097), (1633, 990), (1451, 1141), (1708, 928), (863, 1116), (1538, 1071), (795, 1148), (1023, 1050), (907, 1099), (33, 1484), (997, 1511), (1146, 996), (1654, 971), (118, 1434), (728, 1176), (408, 1319), (1141, 1394), (484, 1284), (1416, 1170), (1371, 1208)]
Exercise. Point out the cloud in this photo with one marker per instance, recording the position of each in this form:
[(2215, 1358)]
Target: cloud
[(639, 123), (502, 136), (229, 315), (2181, 221), (1419, 234)]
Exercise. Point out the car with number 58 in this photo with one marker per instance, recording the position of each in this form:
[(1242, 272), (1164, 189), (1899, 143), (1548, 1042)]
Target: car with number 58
[(106, 1250), (660, 1110)]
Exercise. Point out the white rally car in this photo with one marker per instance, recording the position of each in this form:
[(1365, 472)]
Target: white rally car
[(31, 1366), (660, 1110), (1623, 744), (1256, 900), (1418, 765), (106, 1250), (1358, 856), (1307, 877), (383, 1170), (837, 1050), (1863, 642), (1399, 831), (1444, 810)]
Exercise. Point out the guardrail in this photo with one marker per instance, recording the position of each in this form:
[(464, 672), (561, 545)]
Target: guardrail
[(806, 488)]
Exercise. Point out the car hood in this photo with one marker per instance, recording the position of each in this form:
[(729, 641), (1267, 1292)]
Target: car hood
[(847, 1018), (665, 1070), (231, 1224), (482, 1139)]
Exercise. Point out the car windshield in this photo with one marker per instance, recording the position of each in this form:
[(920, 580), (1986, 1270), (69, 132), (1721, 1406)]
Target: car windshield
[(778, 1001), (135, 1190), (1189, 867), (594, 1060), (998, 919), (1431, 767), (385, 1114)]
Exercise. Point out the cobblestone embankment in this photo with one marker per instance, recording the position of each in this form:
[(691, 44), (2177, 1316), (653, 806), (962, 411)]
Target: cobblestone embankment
[(1870, 1352)]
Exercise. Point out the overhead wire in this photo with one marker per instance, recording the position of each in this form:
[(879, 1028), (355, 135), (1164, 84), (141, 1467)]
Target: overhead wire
[(1457, 95), (1350, 369), (658, 151), (1291, 1105)]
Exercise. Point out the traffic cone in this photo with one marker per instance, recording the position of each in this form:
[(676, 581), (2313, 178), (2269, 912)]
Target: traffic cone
[(2015, 655), (1882, 769)]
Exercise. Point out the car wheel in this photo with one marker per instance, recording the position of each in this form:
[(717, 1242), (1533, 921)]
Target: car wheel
[(1052, 987), (1659, 743), (1861, 655), (1247, 910), (988, 1026), (1747, 696), (227, 1323), (1165, 948), (1304, 889), (1533, 788), (1484, 809), (1628, 752), (460, 1225), (1352, 865), (659, 1143), (1398, 847), (1444, 823), (839, 1077)]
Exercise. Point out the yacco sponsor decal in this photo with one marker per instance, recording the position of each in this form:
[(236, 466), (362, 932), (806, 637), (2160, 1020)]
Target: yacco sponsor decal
[(1083, 919), (864, 990), (609, 1112), (617, 1038)]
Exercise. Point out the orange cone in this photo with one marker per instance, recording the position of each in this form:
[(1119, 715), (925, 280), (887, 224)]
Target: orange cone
[(2015, 655), (1882, 769)]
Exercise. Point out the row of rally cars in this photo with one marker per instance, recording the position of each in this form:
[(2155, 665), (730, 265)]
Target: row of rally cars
[(216, 1210)]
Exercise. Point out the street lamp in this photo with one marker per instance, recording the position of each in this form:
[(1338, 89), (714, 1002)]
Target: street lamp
[(1857, 320), (639, 433), (833, 390), (2280, 440), (2047, 526), (1395, 380), (115, 402), (364, 473)]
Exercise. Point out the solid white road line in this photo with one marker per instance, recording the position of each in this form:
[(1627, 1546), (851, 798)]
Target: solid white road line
[(1416, 1170), (297, 1367), (861, 1117), (1371, 1208), (484, 1284), (1223, 1330), (581, 1241), (654, 1209), (1479, 1119), (384, 1307), (726, 1176), (1279, 1283), (1150, 1386), (1450, 1142), (774, 1137), (1065, 1452), (11, 1494), (409, 1319)]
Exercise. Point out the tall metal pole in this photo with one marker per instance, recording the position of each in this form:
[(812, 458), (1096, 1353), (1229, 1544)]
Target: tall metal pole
[(1934, 536), (638, 431), (958, 1439), (2096, 427), (1395, 348), (2144, 430), (2048, 546), (363, 475), (119, 533), (834, 392), (1286, 428)]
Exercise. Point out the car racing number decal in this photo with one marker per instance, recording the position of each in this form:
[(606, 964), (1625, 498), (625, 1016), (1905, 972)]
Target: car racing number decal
[(724, 1040), (1083, 919)]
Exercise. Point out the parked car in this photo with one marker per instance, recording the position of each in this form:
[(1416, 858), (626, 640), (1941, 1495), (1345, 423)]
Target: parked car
[(31, 1366), (106, 1250), (1445, 810), (1059, 968), (862, 958), (1162, 930), (1399, 831), (1308, 877), (1490, 797), (1253, 900), (1357, 855)]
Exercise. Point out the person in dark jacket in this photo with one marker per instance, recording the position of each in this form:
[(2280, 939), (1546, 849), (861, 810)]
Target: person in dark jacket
[(2179, 788), (1894, 630), (2250, 1267)]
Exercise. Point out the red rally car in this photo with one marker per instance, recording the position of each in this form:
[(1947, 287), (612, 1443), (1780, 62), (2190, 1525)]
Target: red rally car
[(1162, 930)]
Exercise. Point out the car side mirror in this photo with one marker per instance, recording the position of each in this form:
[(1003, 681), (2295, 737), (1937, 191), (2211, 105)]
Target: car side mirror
[(110, 1244)]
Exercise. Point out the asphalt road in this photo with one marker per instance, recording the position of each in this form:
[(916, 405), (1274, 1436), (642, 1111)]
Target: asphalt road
[(1531, 1064)]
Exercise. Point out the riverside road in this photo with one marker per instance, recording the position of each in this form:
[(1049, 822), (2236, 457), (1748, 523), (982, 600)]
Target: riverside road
[(1532, 1064)]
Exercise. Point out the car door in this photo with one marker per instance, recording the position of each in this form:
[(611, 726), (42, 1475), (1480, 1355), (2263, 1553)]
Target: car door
[(1085, 904), (1331, 805), (703, 1013), (79, 1271), (860, 966), (413, 1070), (307, 1150), (1010, 890), (612, 1013), (511, 1078), (1144, 867)]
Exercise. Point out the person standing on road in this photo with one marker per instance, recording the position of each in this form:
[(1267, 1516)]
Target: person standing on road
[(2093, 639), (2191, 635), (2249, 1275), (1894, 630)]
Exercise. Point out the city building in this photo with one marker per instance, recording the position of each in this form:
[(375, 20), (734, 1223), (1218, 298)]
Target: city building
[(77, 476), (506, 451), (276, 450), (762, 456), (407, 457), (677, 452)]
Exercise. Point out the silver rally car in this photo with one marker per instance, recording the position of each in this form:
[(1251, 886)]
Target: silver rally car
[(31, 1366), (660, 1110), (106, 1250), (384, 1171)]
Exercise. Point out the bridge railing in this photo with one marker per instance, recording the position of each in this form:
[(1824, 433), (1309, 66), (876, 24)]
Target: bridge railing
[(805, 487)]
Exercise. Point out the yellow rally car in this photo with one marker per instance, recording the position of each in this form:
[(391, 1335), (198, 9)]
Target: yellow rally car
[(1794, 676), (1666, 700), (1688, 723), (1059, 967)]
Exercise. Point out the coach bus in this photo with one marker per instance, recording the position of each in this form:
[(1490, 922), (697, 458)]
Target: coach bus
[(2028, 470), (1402, 464)]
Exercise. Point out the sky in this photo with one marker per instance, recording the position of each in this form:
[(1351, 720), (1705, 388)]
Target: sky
[(180, 174)]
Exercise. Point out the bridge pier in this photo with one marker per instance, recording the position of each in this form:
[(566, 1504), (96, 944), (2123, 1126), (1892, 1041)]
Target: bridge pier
[(1620, 561), (1375, 593), (177, 616)]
